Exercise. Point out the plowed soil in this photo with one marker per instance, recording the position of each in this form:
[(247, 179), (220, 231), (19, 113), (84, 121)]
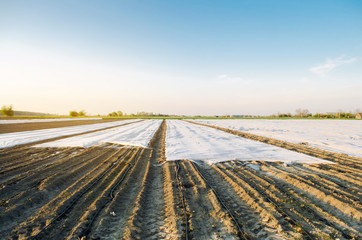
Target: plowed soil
[(121, 192), (20, 127)]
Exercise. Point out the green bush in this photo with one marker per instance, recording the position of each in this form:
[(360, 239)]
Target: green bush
[(112, 114), (81, 113), (115, 114), (73, 114), (7, 110)]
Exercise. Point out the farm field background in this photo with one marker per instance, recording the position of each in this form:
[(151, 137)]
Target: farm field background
[(341, 136), (181, 179)]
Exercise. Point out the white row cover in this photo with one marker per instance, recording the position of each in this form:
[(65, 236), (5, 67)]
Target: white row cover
[(17, 138), (183, 141), (342, 136), (44, 120), (204, 144), (136, 134)]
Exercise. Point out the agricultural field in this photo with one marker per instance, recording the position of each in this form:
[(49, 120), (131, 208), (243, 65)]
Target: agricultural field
[(180, 179)]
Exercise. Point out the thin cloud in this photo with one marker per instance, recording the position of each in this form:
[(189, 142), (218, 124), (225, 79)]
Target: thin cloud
[(230, 79), (331, 64)]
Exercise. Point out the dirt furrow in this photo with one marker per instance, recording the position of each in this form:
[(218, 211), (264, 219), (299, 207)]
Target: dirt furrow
[(291, 200), (207, 217), (9, 161), (97, 203), (111, 220), (80, 185), (300, 219), (353, 172), (21, 199), (322, 193), (271, 217), (339, 191), (45, 165), (37, 160), (55, 174), (238, 202), (338, 176), (337, 212)]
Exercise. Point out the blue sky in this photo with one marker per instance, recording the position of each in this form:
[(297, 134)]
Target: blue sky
[(181, 57)]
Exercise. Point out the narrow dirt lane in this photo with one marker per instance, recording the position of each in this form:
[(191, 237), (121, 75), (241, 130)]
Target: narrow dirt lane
[(20, 127)]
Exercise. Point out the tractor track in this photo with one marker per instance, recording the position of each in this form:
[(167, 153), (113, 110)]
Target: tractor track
[(147, 220), (185, 211)]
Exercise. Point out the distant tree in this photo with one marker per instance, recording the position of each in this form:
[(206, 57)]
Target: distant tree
[(73, 114), (7, 110), (112, 114), (116, 114), (302, 112), (284, 115), (317, 115), (82, 113), (330, 115)]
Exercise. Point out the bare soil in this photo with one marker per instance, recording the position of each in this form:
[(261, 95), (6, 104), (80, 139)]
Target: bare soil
[(20, 127), (120, 192)]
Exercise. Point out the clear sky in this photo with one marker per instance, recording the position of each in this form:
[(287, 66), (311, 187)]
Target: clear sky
[(181, 57)]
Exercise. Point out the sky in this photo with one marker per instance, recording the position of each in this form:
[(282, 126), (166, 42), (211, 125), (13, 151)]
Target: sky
[(200, 57)]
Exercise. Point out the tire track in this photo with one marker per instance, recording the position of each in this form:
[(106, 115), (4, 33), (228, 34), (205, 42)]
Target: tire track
[(186, 211), (175, 211), (147, 220)]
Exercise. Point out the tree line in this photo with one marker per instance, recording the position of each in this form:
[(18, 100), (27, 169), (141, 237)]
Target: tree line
[(7, 110), (304, 113), (81, 113), (138, 114)]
